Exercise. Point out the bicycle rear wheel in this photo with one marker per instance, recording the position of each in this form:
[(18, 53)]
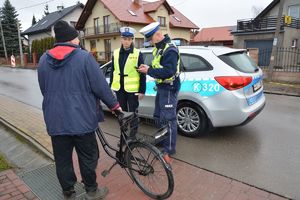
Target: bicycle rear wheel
[(149, 171)]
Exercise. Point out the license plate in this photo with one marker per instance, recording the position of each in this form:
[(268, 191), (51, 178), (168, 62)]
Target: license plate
[(257, 86)]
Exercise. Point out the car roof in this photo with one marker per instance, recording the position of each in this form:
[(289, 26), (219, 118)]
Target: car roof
[(217, 50)]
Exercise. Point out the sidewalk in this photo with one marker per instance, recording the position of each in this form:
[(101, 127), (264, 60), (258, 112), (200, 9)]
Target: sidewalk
[(191, 183), (282, 88)]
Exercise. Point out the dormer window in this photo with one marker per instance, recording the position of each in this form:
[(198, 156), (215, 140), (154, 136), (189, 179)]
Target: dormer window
[(131, 12), (176, 18)]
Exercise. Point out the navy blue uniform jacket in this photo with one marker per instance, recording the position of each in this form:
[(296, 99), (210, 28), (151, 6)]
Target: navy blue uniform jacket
[(169, 62), (72, 84)]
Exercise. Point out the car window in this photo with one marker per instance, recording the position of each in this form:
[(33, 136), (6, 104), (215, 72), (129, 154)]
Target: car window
[(240, 61), (194, 63)]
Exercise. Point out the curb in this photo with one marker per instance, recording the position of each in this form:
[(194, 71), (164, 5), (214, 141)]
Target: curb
[(29, 139), (280, 93)]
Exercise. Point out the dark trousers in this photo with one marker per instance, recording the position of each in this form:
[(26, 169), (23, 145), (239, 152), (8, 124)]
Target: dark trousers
[(165, 114), (129, 102), (88, 154)]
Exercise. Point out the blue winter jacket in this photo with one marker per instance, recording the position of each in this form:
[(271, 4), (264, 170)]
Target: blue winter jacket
[(72, 84)]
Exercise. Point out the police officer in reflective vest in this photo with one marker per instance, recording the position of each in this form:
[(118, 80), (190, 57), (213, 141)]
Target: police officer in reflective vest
[(165, 71), (128, 84)]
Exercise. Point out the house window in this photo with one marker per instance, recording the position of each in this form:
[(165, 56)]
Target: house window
[(139, 43), (294, 11), (106, 23), (96, 25), (93, 45), (294, 43), (73, 23), (162, 21), (107, 48)]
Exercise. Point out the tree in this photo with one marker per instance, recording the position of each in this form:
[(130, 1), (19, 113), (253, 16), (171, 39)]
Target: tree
[(46, 10), (33, 21), (8, 16)]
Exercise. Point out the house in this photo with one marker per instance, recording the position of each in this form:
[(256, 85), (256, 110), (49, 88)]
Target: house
[(101, 21), (44, 27), (259, 32), (214, 36)]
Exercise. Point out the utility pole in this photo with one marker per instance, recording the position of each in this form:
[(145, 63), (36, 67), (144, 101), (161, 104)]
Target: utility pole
[(276, 40), (3, 41), (20, 44)]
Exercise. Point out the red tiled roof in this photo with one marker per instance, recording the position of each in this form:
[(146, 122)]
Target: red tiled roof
[(214, 34), (179, 20), (151, 6), (119, 8)]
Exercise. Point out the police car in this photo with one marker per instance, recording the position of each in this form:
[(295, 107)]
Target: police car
[(220, 87)]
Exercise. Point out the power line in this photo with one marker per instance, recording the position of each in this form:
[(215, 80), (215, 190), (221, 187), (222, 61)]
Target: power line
[(45, 2)]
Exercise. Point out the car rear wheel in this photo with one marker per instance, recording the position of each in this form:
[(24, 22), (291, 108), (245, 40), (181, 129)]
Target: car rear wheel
[(191, 120)]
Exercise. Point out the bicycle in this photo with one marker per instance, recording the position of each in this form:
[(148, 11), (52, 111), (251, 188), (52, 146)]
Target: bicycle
[(142, 161)]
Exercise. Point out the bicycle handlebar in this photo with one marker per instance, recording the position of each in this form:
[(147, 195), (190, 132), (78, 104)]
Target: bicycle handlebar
[(119, 114)]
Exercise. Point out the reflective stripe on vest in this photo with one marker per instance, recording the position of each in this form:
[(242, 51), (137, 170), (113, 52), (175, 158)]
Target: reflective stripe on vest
[(156, 63), (131, 76)]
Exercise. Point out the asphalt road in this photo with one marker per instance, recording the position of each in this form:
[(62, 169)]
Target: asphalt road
[(264, 153)]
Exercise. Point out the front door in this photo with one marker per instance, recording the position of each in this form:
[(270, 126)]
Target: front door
[(107, 47)]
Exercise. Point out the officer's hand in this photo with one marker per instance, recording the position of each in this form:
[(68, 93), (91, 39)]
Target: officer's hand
[(143, 69), (140, 96)]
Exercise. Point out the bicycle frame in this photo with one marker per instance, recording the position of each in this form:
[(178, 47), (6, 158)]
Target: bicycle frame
[(117, 153)]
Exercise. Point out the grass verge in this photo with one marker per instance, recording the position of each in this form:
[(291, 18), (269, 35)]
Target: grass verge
[(4, 165)]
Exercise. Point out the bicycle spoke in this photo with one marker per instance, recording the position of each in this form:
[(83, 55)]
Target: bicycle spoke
[(149, 171)]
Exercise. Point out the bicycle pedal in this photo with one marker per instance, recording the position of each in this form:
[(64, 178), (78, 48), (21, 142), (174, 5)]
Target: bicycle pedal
[(105, 173)]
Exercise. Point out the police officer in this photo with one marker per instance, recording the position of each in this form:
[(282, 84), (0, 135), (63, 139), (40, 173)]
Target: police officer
[(165, 71), (128, 84)]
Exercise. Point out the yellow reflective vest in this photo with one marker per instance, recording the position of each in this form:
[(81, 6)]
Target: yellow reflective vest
[(131, 76), (156, 64)]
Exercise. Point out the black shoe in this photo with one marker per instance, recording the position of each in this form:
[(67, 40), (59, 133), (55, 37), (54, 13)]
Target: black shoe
[(69, 195), (100, 193)]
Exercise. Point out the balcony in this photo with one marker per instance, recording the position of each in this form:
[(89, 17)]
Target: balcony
[(264, 24), (102, 30)]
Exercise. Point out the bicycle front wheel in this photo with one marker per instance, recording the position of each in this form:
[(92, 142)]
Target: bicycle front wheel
[(149, 171)]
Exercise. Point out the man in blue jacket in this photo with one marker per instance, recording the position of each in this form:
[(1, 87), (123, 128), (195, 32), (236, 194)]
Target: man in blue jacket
[(165, 71), (72, 84)]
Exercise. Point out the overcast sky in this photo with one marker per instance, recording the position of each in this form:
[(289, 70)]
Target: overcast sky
[(203, 13)]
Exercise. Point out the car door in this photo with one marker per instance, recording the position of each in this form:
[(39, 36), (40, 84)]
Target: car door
[(146, 107)]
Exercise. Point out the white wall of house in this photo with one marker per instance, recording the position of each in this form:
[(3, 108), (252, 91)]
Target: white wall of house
[(99, 11)]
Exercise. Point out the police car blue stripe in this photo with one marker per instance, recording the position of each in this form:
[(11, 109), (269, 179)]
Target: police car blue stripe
[(204, 88)]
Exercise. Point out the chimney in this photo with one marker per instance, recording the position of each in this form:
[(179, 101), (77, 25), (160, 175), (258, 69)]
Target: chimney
[(59, 8), (137, 2)]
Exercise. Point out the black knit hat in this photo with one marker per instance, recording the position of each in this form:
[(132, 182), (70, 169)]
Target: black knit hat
[(64, 32)]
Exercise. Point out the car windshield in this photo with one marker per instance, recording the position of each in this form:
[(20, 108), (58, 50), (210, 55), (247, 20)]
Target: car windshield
[(239, 61)]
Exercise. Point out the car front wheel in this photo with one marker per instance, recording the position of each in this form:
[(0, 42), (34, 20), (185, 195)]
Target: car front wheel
[(191, 120)]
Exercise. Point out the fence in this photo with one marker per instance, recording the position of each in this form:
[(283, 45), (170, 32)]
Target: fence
[(286, 59), (265, 24)]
